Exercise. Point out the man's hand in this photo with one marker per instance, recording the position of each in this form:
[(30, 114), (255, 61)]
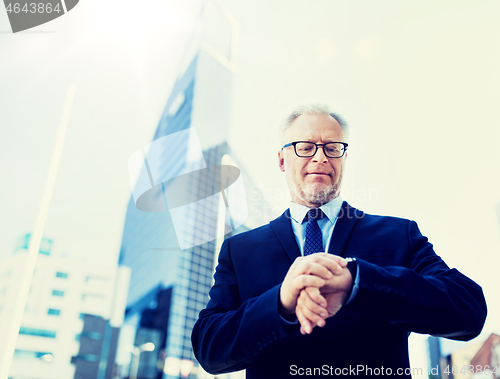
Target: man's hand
[(317, 303), (314, 271)]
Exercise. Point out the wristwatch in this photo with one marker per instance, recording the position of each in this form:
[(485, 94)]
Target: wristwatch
[(352, 265)]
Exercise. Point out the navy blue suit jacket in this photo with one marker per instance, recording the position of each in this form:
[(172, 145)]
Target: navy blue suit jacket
[(404, 287)]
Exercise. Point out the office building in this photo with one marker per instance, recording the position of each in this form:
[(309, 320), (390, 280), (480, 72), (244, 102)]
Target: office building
[(62, 292), (181, 209)]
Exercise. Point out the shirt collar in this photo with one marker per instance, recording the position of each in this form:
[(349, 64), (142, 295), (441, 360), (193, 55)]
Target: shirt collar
[(330, 209)]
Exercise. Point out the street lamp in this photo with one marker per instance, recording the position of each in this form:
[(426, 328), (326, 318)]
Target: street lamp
[(175, 366), (186, 367), (136, 353)]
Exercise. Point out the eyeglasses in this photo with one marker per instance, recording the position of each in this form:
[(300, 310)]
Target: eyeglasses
[(305, 149)]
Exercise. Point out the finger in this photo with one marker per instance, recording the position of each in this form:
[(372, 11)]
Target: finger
[(337, 258), (312, 320), (312, 311), (340, 260), (300, 282), (312, 266), (312, 306), (343, 282), (333, 263), (316, 296), (306, 326)]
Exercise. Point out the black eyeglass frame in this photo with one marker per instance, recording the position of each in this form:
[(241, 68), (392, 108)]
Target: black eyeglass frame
[(294, 144)]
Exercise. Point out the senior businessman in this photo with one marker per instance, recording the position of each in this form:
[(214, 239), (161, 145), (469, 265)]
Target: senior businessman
[(325, 289)]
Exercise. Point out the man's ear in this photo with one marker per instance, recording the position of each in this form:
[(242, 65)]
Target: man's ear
[(281, 161)]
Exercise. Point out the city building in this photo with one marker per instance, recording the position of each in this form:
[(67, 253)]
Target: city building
[(488, 357), (97, 353), (62, 294), (475, 359), (187, 197)]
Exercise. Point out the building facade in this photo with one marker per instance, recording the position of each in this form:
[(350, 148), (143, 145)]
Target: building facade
[(62, 291), (171, 246)]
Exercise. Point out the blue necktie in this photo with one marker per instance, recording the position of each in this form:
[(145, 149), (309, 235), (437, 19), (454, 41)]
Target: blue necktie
[(314, 237)]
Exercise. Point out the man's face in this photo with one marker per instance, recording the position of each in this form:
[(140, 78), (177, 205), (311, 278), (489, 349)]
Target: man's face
[(315, 180)]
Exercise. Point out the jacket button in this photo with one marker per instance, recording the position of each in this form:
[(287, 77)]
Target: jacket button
[(259, 346), (378, 287), (274, 335), (269, 339), (394, 291), (386, 289), (402, 293), (263, 342)]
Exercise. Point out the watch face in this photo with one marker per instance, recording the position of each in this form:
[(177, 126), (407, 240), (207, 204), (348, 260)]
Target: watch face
[(352, 266)]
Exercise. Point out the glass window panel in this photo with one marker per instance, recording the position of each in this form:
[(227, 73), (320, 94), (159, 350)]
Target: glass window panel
[(54, 312)]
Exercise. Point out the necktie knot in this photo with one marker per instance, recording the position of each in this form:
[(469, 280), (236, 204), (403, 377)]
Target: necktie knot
[(314, 214)]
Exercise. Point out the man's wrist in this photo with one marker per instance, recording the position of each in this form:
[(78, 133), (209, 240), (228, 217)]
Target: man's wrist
[(283, 311), (287, 317), (281, 308)]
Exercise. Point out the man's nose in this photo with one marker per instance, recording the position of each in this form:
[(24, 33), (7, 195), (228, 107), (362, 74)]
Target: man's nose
[(320, 155)]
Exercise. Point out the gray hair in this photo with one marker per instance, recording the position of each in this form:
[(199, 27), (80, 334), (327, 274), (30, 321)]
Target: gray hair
[(308, 110)]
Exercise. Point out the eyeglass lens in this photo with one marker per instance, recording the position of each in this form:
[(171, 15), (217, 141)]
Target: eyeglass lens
[(308, 149)]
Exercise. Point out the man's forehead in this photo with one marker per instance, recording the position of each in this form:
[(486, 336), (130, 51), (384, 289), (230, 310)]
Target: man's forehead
[(310, 124)]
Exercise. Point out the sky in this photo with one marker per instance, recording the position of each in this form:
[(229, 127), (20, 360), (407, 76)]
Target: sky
[(418, 83)]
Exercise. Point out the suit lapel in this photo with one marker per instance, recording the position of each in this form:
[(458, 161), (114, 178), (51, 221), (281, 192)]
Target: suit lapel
[(348, 217), (282, 227)]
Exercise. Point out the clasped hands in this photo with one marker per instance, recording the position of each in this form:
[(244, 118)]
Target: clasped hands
[(315, 288)]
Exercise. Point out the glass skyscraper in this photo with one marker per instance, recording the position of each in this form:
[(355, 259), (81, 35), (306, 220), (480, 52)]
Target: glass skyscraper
[(172, 262)]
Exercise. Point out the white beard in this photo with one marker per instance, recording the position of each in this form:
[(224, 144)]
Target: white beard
[(317, 193)]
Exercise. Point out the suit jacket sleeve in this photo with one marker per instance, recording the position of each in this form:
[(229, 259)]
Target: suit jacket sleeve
[(424, 297), (229, 335)]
